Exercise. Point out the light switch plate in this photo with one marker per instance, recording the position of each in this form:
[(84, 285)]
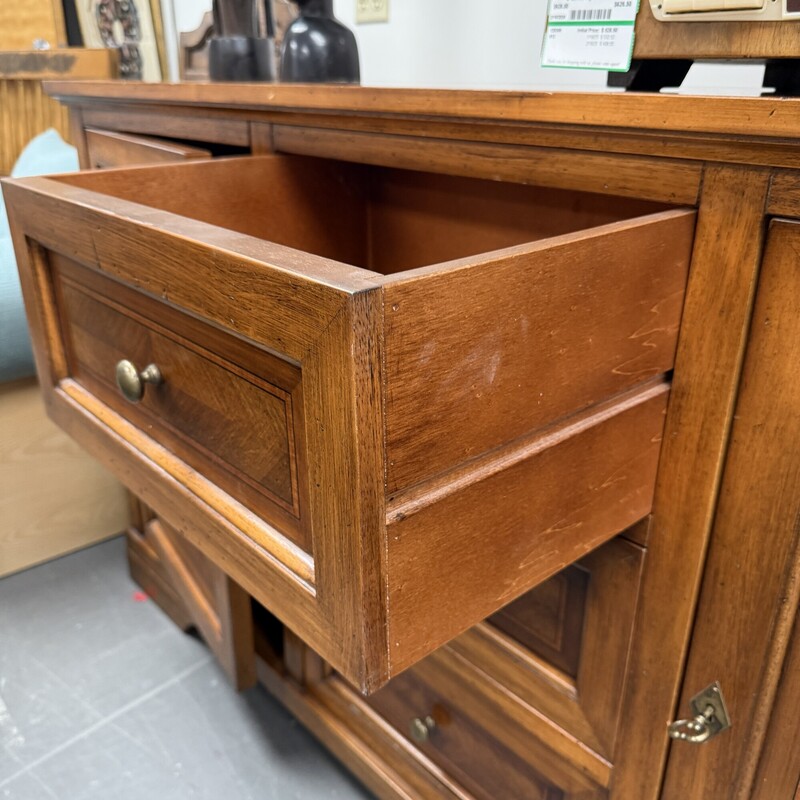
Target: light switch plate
[(372, 10)]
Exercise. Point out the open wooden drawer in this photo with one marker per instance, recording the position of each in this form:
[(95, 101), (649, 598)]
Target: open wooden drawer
[(381, 451)]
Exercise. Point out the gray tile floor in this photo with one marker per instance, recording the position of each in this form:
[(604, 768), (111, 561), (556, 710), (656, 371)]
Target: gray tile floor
[(102, 698)]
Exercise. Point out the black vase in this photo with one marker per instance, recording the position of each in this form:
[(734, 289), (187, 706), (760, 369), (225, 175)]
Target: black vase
[(236, 51), (241, 58), (317, 48)]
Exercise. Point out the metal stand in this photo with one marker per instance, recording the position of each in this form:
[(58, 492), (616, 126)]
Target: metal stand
[(651, 76), (782, 74)]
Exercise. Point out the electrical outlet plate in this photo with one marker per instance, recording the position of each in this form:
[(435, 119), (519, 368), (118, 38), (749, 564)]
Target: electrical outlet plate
[(372, 11)]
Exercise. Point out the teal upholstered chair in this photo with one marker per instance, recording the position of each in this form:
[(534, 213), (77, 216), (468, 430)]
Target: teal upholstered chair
[(47, 154)]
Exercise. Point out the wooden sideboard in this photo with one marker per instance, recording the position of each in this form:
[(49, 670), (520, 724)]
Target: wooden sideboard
[(473, 424)]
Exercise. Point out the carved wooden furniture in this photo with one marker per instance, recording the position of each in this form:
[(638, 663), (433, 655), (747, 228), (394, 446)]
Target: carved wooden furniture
[(392, 387), (193, 46)]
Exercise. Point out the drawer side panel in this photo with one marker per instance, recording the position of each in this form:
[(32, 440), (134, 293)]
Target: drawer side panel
[(481, 354), (458, 555)]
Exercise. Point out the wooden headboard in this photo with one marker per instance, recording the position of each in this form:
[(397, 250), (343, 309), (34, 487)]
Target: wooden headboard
[(25, 110)]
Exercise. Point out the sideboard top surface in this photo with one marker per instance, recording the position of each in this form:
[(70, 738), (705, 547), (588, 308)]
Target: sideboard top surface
[(775, 118)]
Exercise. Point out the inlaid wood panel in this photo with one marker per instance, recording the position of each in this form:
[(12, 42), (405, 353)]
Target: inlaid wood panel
[(548, 620), (215, 413)]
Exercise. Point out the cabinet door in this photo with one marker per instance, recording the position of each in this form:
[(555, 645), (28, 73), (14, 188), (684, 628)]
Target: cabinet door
[(749, 596), (778, 772)]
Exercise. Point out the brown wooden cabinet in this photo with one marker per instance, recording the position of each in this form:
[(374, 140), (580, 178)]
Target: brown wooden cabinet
[(485, 400)]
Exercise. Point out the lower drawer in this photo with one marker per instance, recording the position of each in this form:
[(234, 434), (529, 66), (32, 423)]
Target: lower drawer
[(431, 714), (562, 648), (531, 696)]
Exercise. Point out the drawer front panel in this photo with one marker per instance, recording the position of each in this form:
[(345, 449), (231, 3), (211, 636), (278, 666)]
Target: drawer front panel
[(548, 620), (562, 648), (235, 426), (477, 761), (109, 149)]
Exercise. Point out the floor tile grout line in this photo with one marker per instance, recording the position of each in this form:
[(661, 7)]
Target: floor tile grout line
[(105, 720), (44, 786)]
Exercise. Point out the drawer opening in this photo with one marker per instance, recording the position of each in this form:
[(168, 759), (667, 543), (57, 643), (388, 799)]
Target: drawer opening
[(375, 218)]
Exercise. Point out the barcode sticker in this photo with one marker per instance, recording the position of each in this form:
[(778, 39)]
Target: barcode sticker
[(590, 13), (590, 34)]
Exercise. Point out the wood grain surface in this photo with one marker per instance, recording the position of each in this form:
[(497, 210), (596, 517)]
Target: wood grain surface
[(760, 492), (767, 116), (778, 773), (219, 608), (109, 149), (240, 421), (458, 743), (479, 354), (669, 181), (584, 706), (563, 493), (716, 319), (729, 39)]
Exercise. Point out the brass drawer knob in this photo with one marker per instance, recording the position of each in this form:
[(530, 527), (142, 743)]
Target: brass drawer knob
[(421, 728), (132, 383)]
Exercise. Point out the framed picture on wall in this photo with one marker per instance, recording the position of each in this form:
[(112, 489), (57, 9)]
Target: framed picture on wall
[(127, 25)]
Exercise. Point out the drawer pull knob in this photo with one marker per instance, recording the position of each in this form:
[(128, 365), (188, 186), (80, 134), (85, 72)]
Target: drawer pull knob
[(132, 383), (421, 728)]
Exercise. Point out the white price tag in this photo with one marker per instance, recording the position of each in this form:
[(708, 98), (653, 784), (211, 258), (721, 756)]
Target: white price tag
[(590, 34)]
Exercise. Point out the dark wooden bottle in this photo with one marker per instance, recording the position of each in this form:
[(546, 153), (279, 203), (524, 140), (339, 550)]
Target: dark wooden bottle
[(317, 48)]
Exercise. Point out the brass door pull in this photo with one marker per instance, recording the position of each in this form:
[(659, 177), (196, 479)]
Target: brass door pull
[(421, 728), (132, 383), (710, 717)]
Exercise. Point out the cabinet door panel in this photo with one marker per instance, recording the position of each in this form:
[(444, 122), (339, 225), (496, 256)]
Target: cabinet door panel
[(750, 588)]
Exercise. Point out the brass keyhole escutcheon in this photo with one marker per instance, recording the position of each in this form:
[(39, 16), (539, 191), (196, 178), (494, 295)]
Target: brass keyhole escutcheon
[(709, 717), (132, 383)]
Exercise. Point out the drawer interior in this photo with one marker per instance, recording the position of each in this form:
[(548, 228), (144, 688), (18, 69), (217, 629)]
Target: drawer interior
[(375, 218)]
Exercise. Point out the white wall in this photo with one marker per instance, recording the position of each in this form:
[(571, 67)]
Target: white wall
[(475, 44), (188, 13), (492, 44)]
